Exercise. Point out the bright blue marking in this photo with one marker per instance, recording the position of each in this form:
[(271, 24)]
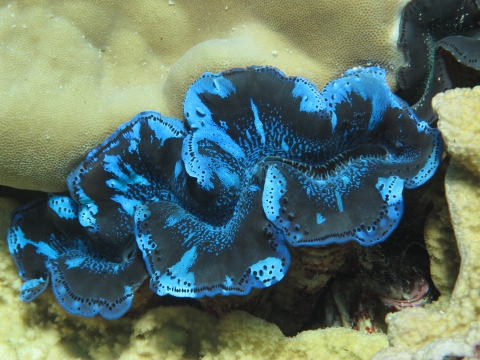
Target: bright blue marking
[(75, 262), (134, 137), (308, 92), (390, 189), (86, 214), (224, 125), (42, 247), (141, 213), (202, 167), (227, 177), (117, 185), (320, 218), (345, 180), (188, 237), (179, 270), (258, 123), (166, 128), (274, 189), (253, 188), (228, 281), (433, 161), (370, 84), (333, 117), (172, 220), (338, 196), (112, 164), (30, 289), (273, 264), (178, 169), (128, 205), (196, 112), (64, 206)]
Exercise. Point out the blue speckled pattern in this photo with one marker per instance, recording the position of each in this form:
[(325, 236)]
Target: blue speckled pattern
[(140, 163), (337, 160), (49, 245), (263, 160), (189, 257)]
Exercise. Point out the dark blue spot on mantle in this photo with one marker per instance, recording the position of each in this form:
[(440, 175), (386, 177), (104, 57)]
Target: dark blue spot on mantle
[(263, 160)]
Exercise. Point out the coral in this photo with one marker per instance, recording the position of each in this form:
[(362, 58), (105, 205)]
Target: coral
[(212, 202), (456, 319), (73, 72), (245, 337), (461, 106), (453, 347), (440, 42), (440, 240)]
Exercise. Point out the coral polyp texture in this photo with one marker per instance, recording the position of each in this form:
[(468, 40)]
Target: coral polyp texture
[(86, 68), (450, 327), (262, 161)]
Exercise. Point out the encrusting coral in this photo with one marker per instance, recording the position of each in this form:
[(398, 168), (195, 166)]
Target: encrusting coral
[(451, 326), (460, 125), (72, 72), (440, 240)]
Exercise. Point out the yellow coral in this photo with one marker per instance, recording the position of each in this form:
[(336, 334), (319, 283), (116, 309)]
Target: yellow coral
[(243, 336), (440, 240), (456, 321), (71, 72), (459, 111)]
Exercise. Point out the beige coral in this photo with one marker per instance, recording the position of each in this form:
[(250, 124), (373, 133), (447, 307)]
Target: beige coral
[(459, 110), (451, 326), (71, 72), (440, 239)]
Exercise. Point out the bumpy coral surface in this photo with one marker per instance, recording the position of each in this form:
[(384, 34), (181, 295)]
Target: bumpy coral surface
[(73, 72), (452, 327), (460, 124), (262, 161)]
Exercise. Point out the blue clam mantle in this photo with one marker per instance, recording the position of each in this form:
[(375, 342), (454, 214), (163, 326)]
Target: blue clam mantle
[(208, 206)]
